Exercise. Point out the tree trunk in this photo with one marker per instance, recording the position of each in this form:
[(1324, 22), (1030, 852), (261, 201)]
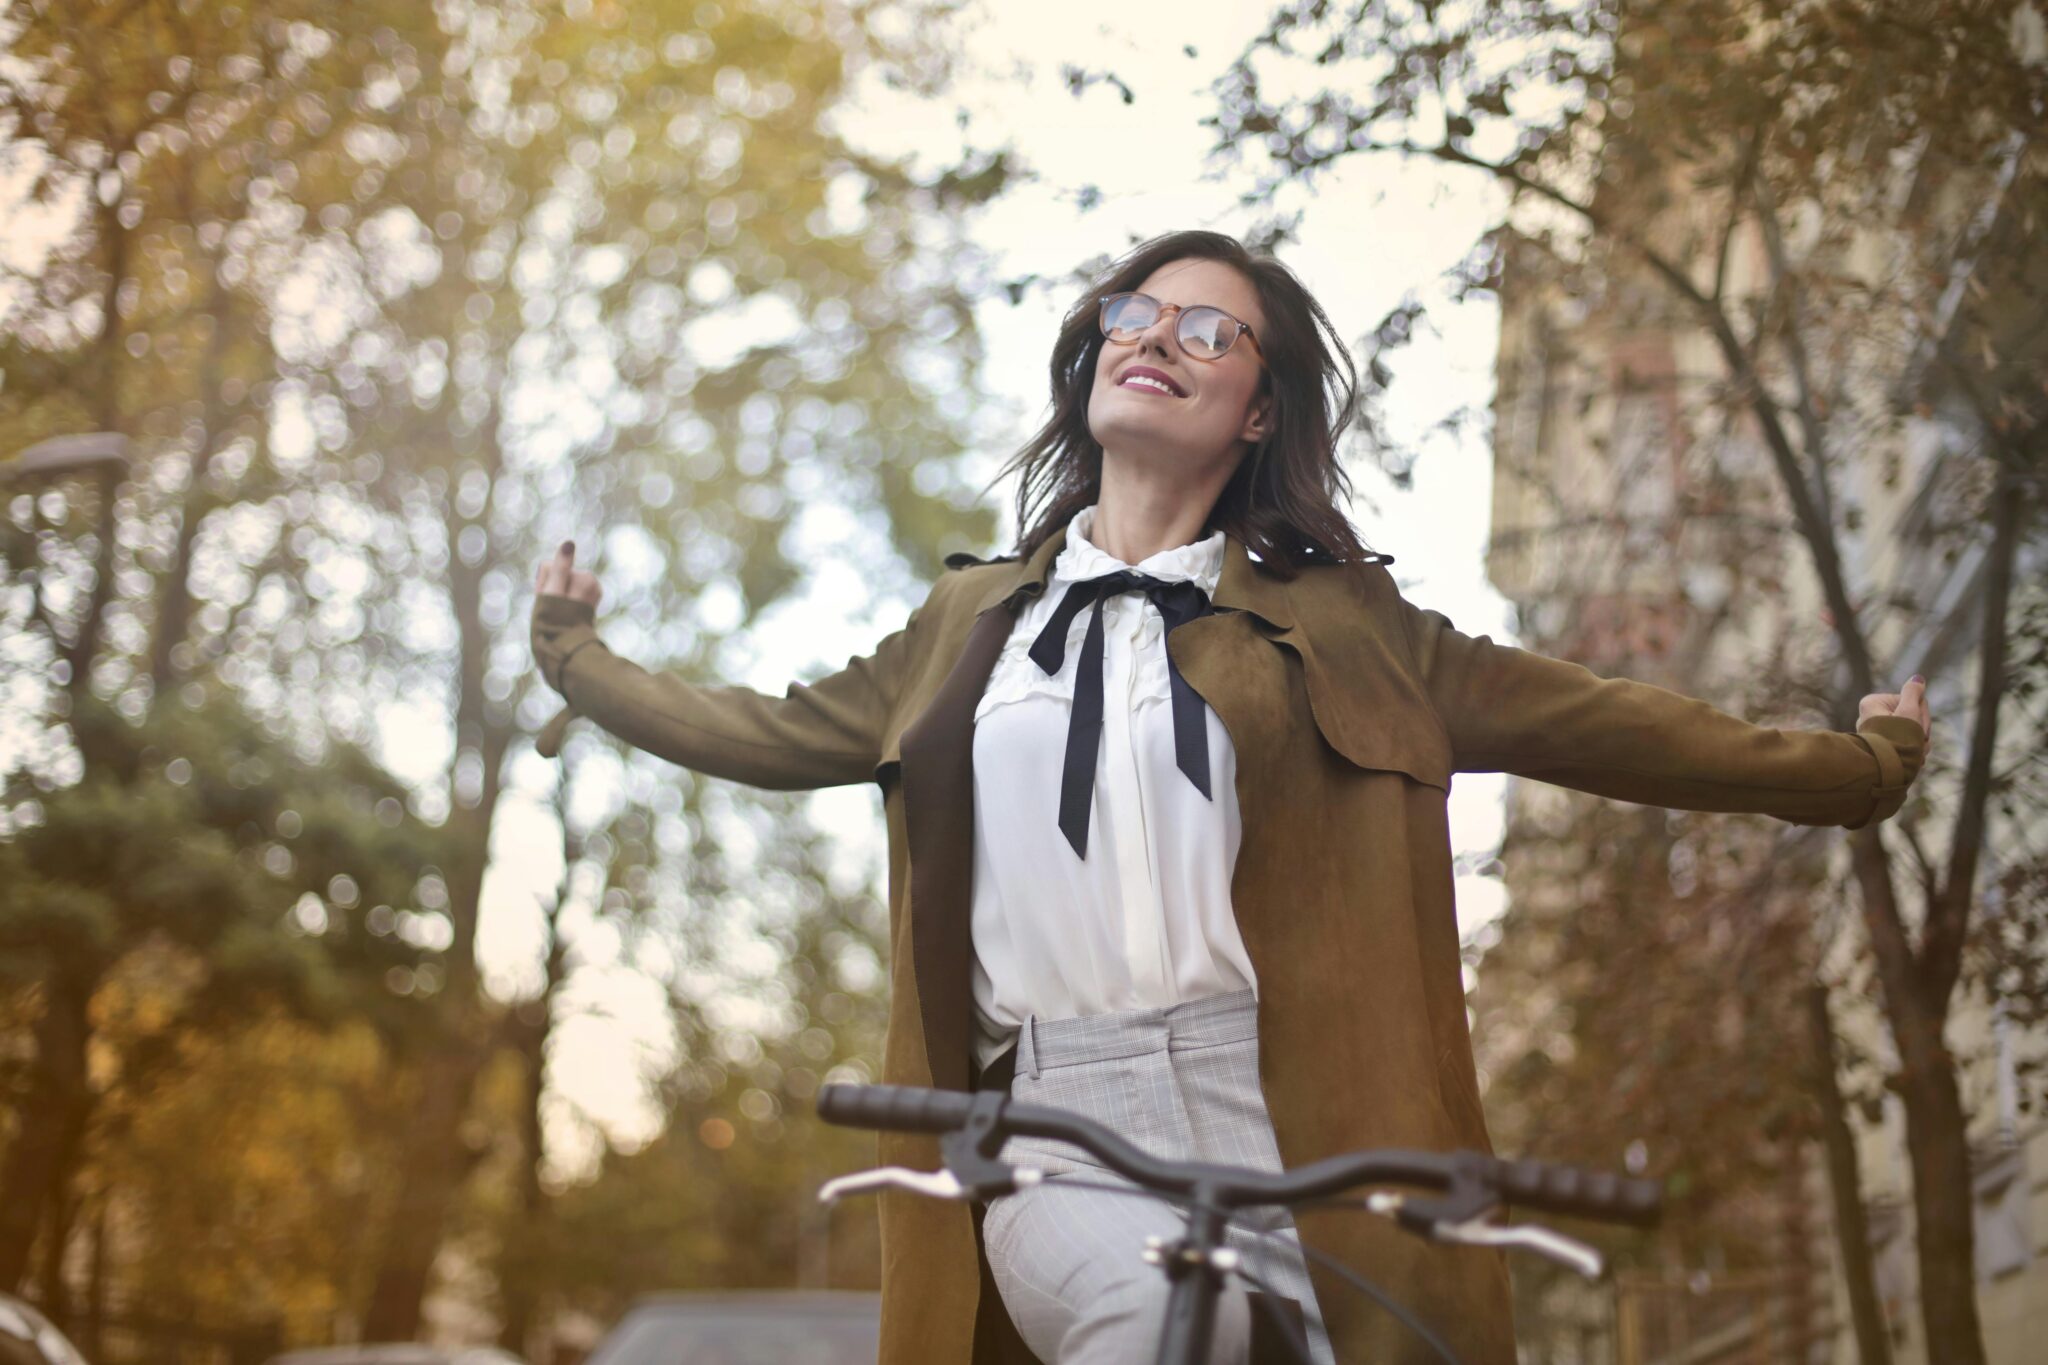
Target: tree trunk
[(96, 1284), (1937, 1134), (532, 1021), (516, 1289), (1937, 1142), (60, 1209), (1845, 1184), (52, 1117), (431, 1169), (436, 1160), (174, 595), (108, 353)]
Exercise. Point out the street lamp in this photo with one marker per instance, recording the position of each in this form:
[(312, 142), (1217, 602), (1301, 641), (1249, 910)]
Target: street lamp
[(105, 457), (105, 453)]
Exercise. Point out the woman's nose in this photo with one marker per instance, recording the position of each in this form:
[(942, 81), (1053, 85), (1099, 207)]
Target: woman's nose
[(1159, 336)]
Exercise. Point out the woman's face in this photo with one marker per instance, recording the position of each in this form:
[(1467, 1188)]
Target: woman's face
[(1215, 411)]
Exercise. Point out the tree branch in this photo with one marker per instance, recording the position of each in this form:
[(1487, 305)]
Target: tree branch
[(1814, 526), (1782, 276), (1948, 917), (1743, 174), (1930, 883), (1884, 924)]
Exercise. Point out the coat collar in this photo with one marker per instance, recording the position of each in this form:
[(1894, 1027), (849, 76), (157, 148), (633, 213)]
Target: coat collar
[(1243, 586)]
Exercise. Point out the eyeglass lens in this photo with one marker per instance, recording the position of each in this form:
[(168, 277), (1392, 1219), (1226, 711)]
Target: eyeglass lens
[(1202, 330)]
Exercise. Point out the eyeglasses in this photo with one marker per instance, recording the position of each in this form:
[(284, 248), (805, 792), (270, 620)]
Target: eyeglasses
[(1204, 331)]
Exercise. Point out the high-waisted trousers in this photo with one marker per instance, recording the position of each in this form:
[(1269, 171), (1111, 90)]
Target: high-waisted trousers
[(1067, 1255)]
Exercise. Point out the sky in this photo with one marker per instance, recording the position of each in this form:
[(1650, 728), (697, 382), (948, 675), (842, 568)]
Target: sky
[(1370, 236)]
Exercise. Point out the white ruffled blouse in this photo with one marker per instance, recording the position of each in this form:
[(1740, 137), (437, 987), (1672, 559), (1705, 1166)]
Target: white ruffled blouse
[(1145, 920)]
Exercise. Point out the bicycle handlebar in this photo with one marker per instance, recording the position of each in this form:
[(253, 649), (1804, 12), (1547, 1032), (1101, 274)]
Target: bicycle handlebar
[(1576, 1192), (1565, 1190), (898, 1108)]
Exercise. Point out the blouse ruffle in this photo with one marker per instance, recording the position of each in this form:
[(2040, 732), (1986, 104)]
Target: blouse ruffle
[(1016, 677)]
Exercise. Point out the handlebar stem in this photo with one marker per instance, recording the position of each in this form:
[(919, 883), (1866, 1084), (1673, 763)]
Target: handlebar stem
[(1197, 1277)]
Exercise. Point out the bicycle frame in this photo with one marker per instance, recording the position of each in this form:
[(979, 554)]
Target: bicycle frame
[(974, 1127), (1197, 1282)]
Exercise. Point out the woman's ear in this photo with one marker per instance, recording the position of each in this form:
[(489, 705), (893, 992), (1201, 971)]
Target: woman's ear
[(1258, 422)]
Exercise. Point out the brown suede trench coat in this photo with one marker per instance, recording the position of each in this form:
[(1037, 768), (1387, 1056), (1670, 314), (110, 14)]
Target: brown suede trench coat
[(1349, 709)]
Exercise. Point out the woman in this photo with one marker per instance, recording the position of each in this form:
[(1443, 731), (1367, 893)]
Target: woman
[(1204, 893)]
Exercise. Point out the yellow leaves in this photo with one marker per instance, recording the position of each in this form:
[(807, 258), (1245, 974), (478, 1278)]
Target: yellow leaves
[(234, 1168)]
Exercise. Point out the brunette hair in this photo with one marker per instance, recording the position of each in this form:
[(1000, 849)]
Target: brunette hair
[(1282, 501)]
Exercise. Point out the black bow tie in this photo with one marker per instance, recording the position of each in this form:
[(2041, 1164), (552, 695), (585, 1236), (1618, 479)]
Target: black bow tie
[(1177, 602)]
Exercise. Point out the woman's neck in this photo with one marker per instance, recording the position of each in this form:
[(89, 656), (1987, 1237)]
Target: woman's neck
[(1136, 518)]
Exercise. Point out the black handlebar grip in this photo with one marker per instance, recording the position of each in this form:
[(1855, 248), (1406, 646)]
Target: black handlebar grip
[(899, 1108), (1579, 1193)]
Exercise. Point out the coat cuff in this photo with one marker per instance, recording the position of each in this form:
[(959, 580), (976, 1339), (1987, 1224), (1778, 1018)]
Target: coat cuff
[(562, 628), (1899, 745)]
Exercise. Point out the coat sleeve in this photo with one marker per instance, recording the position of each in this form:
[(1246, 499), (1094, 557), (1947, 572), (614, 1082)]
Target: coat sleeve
[(1514, 711), (822, 734)]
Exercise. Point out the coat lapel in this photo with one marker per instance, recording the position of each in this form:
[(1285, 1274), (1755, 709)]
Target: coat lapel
[(1244, 586), (938, 815)]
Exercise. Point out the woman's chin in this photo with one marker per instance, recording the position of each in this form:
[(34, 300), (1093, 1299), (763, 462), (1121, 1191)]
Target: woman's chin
[(1140, 436), (1152, 451)]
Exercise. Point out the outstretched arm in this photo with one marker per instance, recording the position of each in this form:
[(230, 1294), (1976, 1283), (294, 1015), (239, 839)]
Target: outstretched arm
[(1511, 710), (822, 734)]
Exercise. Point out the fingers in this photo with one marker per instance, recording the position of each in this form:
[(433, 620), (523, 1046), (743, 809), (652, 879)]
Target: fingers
[(553, 575), (1909, 700), (559, 576), (1913, 700)]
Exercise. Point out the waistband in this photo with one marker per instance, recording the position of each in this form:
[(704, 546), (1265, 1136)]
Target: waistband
[(1044, 1044)]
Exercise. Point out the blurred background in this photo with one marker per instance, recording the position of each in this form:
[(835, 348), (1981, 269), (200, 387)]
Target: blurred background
[(1704, 345)]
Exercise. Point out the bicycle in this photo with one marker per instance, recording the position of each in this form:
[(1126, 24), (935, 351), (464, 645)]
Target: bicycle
[(1473, 1186)]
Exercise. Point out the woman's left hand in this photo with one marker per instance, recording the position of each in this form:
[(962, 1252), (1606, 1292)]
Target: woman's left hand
[(1910, 700)]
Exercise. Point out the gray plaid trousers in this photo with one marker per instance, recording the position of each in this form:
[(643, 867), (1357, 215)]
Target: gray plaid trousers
[(1180, 1082)]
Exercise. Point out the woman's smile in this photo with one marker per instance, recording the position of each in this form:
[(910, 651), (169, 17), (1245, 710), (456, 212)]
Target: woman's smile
[(1145, 379)]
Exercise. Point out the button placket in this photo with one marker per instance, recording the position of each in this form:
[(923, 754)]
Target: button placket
[(1144, 930)]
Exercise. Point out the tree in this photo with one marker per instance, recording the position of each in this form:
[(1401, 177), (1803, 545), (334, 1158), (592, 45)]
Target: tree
[(1877, 163), (142, 320), (777, 988), (216, 1187), (394, 297), (192, 840), (584, 191)]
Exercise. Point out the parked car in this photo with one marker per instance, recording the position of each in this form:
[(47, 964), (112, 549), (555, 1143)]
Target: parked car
[(763, 1327), (397, 1353), (29, 1338)]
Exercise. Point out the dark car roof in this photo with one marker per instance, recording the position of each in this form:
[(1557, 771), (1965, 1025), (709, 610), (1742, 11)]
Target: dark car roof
[(758, 1327), (396, 1353), (782, 1300)]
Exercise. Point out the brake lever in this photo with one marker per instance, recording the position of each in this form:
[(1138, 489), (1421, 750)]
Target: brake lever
[(973, 1151), (941, 1184), (1568, 1252), (936, 1184)]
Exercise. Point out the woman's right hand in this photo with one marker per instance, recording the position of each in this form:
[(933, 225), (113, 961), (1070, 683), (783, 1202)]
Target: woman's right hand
[(561, 627), (561, 577)]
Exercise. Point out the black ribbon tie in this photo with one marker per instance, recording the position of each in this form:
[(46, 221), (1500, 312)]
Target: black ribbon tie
[(1177, 603)]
